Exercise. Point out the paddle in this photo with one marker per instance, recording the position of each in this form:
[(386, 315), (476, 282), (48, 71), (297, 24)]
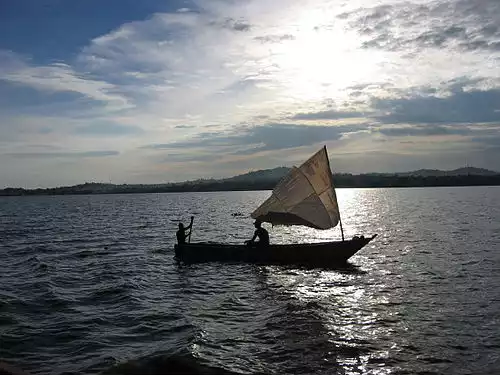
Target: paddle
[(190, 229)]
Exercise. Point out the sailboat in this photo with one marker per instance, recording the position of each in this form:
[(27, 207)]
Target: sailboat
[(304, 197)]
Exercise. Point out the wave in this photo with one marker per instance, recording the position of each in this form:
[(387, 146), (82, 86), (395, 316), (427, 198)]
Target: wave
[(175, 363), (8, 369)]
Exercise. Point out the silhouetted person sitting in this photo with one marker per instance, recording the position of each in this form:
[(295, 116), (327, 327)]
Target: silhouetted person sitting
[(181, 233), (261, 233)]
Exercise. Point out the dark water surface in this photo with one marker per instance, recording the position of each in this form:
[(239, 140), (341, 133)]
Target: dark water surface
[(89, 284)]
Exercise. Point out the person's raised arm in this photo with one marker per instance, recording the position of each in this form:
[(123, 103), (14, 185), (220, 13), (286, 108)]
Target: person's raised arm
[(190, 224)]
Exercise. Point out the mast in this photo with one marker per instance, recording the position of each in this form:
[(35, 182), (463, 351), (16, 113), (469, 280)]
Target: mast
[(333, 187), (341, 229)]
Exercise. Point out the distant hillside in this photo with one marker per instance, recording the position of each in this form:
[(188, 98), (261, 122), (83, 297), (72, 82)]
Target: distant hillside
[(260, 175), (268, 178), (466, 171), (279, 172)]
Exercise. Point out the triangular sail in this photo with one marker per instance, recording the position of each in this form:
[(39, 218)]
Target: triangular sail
[(306, 196)]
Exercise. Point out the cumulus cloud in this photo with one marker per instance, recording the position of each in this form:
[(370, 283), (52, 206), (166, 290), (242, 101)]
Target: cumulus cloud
[(401, 26)]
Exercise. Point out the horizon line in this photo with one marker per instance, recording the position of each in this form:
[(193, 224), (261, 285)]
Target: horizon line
[(242, 174)]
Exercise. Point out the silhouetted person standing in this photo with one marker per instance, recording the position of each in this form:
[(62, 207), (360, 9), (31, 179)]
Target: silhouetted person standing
[(181, 233)]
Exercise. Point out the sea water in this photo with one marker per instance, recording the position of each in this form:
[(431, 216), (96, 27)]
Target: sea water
[(89, 284)]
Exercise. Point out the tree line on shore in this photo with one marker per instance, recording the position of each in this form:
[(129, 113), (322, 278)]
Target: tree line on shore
[(249, 184)]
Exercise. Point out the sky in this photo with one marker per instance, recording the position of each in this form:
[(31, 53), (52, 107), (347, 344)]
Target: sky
[(126, 91)]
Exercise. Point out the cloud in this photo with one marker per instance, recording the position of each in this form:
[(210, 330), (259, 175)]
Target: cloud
[(84, 154), (458, 101), (274, 38), (460, 24), (58, 77), (254, 139), (237, 25), (473, 106), (182, 158), (422, 130), (180, 64), (108, 129), (327, 115)]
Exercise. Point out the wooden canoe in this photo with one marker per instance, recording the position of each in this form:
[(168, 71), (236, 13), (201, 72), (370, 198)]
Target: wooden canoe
[(321, 253)]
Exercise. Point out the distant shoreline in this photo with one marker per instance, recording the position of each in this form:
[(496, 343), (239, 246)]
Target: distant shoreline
[(340, 181)]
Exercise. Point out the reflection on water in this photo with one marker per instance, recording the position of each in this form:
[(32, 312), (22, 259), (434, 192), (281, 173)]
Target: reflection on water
[(357, 214), (348, 318), (324, 315)]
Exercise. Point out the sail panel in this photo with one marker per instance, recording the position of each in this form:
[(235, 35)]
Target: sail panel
[(314, 211), (293, 189), (329, 201), (305, 196)]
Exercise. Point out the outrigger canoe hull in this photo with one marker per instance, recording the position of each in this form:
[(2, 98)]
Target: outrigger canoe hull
[(321, 253)]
